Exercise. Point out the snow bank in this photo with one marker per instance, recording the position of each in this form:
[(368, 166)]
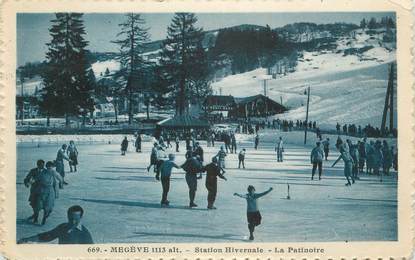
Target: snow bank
[(101, 66)]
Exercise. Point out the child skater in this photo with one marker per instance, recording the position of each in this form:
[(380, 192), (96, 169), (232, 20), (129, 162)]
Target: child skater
[(253, 214)]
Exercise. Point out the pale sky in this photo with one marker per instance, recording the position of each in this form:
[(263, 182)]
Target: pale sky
[(32, 29)]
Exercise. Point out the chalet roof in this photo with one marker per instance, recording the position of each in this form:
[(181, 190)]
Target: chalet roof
[(183, 121), (219, 100)]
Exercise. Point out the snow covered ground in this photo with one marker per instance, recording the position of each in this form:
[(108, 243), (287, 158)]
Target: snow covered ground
[(345, 88), (343, 95), (121, 200)]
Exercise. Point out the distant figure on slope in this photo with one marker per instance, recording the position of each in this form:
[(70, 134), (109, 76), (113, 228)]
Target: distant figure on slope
[(317, 160), (326, 148), (213, 170), (348, 161), (165, 171), (253, 215), (256, 141), (60, 166), (279, 148), (241, 158), (73, 156), (124, 145)]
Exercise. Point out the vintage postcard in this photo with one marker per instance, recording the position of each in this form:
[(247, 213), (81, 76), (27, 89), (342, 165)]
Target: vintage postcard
[(206, 129)]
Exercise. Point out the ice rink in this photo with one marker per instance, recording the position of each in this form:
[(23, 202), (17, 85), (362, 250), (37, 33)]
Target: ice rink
[(122, 200)]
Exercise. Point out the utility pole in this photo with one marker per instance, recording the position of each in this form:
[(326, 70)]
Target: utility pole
[(306, 116), (388, 102), (21, 93), (265, 87)]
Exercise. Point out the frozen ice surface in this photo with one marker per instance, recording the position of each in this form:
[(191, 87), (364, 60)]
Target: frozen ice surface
[(121, 199)]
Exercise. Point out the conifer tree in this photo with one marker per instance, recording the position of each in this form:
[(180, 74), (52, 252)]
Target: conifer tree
[(132, 36), (68, 77), (180, 58)]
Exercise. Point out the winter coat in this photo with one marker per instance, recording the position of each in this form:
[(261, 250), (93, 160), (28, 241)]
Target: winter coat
[(221, 155), (387, 157), (48, 182), (32, 179), (377, 158), (199, 151), (124, 145), (370, 150), (192, 166), (316, 155)]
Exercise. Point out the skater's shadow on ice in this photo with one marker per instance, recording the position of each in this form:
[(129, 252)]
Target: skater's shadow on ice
[(369, 200), (137, 204), (226, 237), (23, 221), (126, 168), (133, 178), (293, 178)]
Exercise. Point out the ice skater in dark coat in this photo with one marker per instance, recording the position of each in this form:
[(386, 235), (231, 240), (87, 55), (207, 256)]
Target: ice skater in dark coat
[(212, 172)]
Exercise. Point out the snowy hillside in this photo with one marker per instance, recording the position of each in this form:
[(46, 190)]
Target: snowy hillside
[(346, 86)]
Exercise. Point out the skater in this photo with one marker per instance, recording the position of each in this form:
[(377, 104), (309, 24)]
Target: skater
[(241, 158), (227, 141), (153, 157), (212, 172), (361, 146), (124, 145), (168, 141), (60, 166), (188, 146), (221, 157), (354, 152), (348, 161), (395, 158), (256, 141), (160, 157), (326, 147), (378, 159), (317, 160), (387, 158), (198, 152), (192, 167), (32, 180), (165, 170), (137, 144), (177, 143), (279, 148), (72, 232), (370, 150), (73, 156), (233, 143), (253, 215), (49, 180)]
